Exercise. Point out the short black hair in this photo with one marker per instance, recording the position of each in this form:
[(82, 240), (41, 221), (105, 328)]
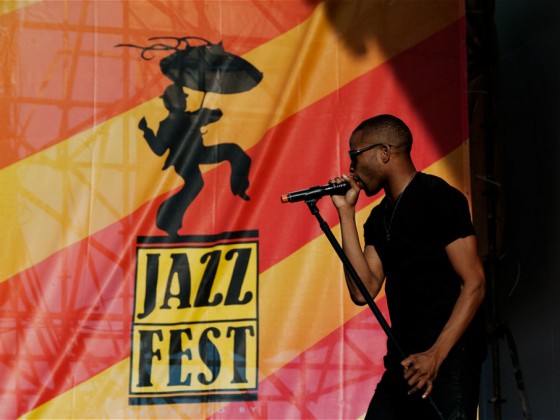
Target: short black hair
[(395, 130)]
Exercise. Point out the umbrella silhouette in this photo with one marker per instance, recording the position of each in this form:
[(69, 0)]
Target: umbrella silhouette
[(209, 68), (206, 68)]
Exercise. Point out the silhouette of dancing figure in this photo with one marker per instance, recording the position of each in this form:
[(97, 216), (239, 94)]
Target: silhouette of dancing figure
[(181, 134)]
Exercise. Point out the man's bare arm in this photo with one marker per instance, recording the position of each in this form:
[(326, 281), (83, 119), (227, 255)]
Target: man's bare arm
[(366, 263), (422, 368)]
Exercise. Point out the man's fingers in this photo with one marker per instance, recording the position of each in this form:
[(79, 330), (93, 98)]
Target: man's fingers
[(428, 390), (417, 378), (418, 383)]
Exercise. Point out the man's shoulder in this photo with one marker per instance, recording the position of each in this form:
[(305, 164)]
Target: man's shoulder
[(430, 180), (436, 184)]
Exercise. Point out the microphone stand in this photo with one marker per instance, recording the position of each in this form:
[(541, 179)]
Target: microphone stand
[(312, 205)]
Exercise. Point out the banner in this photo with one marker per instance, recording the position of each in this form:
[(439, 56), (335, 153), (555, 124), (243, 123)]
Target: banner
[(149, 268)]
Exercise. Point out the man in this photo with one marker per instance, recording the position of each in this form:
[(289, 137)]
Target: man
[(420, 241)]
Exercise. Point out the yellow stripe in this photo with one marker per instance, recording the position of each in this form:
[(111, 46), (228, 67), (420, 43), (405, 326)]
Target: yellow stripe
[(7, 6), (80, 186), (302, 300)]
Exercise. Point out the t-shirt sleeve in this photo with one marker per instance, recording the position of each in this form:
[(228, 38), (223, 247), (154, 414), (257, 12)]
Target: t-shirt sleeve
[(368, 234), (453, 218), (370, 226)]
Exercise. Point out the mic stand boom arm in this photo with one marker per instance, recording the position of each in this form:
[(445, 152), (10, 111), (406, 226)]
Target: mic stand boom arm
[(312, 204)]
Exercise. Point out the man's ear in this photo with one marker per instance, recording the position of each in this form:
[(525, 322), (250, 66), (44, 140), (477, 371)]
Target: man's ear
[(385, 154)]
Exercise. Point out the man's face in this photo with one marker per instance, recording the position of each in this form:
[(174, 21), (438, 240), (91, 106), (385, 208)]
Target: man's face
[(366, 165)]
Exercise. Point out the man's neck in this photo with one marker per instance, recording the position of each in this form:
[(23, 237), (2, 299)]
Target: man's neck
[(398, 183)]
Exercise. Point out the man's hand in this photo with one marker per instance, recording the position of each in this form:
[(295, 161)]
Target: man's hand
[(420, 371), (351, 197)]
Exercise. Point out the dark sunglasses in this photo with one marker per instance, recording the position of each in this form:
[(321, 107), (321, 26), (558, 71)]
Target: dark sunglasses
[(355, 153)]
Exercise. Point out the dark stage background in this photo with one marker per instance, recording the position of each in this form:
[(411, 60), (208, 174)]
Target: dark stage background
[(514, 74)]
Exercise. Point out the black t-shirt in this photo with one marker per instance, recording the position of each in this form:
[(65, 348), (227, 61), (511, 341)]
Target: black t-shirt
[(410, 237)]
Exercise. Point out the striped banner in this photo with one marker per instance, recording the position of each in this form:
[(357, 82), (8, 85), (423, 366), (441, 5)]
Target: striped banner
[(249, 315)]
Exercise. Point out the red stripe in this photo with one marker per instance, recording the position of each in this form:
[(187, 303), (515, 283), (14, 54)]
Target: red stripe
[(344, 366), (420, 86), (84, 293), (56, 47)]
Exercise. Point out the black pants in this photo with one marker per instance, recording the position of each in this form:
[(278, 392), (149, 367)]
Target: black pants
[(455, 392)]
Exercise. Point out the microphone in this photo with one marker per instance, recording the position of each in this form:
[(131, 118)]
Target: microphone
[(314, 193)]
